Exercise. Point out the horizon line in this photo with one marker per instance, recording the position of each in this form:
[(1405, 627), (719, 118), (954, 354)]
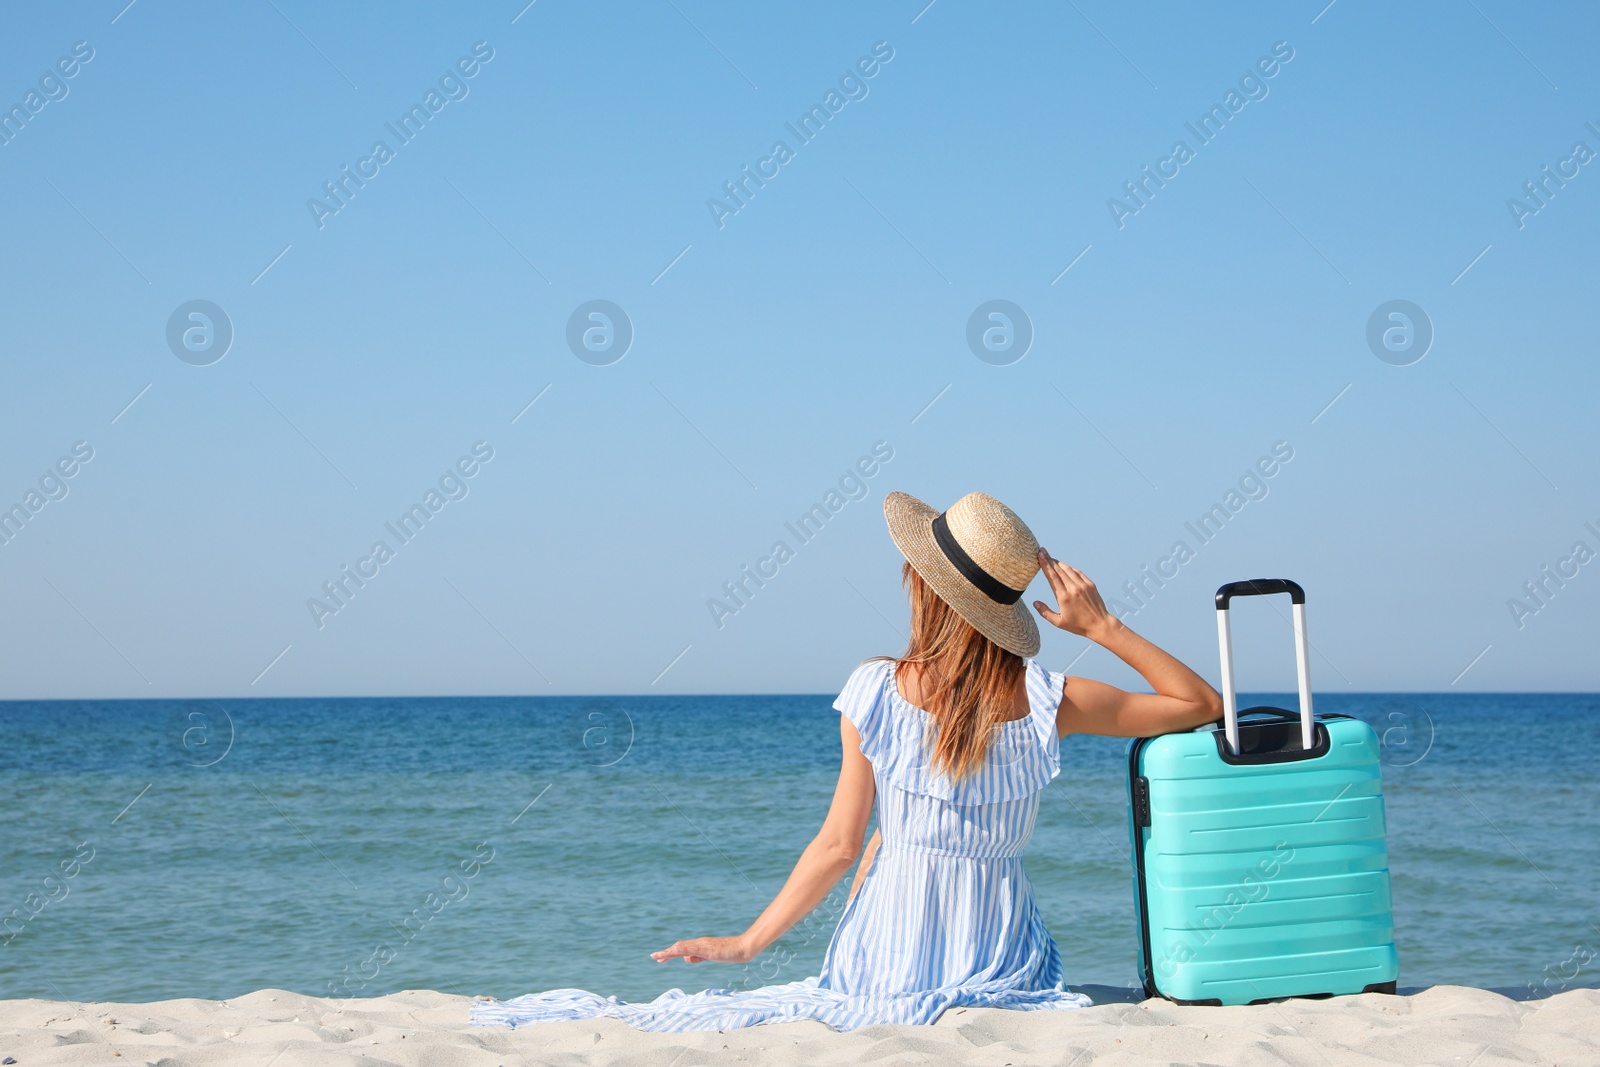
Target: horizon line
[(658, 695)]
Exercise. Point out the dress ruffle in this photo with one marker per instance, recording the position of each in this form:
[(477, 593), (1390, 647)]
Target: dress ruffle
[(1023, 758)]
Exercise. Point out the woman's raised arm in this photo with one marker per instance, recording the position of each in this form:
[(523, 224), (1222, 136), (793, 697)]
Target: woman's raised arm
[(824, 861), (1182, 699)]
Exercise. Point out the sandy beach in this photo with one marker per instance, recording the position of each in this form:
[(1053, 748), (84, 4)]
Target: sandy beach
[(1444, 1025)]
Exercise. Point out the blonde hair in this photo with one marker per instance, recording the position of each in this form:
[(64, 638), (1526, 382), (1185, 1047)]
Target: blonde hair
[(968, 682)]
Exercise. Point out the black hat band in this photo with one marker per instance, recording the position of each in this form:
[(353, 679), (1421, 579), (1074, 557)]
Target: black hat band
[(985, 582)]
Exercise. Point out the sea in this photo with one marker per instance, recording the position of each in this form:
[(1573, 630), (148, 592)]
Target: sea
[(359, 846)]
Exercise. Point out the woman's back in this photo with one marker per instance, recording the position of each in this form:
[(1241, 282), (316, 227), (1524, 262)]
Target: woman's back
[(988, 814), (946, 913)]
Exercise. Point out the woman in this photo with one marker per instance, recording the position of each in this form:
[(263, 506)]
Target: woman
[(953, 741)]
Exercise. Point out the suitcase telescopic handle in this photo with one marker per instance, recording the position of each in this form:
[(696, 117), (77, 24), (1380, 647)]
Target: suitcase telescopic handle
[(1230, 703), (1260, 587)]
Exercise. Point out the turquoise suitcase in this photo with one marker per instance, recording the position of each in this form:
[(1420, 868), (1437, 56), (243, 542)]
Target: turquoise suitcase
[(1260, 865)]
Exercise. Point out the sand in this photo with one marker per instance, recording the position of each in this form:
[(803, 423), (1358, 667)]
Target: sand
[(1447, 1025)]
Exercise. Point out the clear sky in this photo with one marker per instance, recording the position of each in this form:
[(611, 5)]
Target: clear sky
[(1185, 312)]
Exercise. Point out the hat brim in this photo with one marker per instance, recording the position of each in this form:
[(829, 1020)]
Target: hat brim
[(1011, 626)]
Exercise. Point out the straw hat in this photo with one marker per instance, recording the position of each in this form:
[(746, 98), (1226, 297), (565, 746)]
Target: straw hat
[(978, 556)]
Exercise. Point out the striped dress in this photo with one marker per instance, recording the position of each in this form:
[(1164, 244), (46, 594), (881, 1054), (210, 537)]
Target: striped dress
[(946, 915)]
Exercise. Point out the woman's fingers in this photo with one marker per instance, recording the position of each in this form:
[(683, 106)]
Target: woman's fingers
[(697, 950), (1050, 616), (1052, 574), (1066, 584), (1078, 603)]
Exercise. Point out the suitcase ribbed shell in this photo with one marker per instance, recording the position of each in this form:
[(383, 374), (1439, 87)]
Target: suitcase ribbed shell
[(1265, 880)]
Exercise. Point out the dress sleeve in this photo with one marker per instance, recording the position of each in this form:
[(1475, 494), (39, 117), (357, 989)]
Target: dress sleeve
[(1045, 688), (864, 701)]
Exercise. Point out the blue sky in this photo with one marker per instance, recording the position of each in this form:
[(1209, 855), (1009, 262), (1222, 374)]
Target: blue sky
[(1176, 340)]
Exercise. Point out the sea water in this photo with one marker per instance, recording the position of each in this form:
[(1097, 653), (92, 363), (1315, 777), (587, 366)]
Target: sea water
[(354, 847)]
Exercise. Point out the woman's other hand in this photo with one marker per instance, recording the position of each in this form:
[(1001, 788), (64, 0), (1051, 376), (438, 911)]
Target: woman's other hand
[(707, 949), (1079, 607)]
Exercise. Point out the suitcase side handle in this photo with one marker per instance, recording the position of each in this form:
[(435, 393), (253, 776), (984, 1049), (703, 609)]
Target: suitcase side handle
[(1302, 657)]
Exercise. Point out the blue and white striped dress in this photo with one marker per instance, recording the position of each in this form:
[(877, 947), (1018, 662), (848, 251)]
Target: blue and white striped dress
[(946, 915)]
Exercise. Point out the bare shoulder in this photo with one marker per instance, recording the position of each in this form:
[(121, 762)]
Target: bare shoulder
[(907, 679)]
